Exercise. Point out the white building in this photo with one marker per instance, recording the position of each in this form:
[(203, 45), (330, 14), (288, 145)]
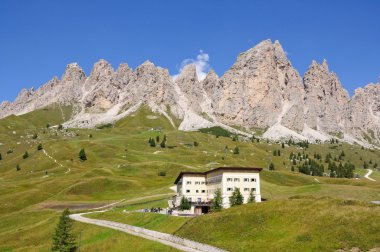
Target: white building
[(199, 187)]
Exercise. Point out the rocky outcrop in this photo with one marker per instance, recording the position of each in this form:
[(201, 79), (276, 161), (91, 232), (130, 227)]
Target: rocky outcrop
[(261, 90), (258, 87), (364, 114), (326, 101)]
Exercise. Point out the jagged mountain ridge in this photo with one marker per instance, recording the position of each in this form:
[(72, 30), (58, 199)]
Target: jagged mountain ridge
[(261, 90)]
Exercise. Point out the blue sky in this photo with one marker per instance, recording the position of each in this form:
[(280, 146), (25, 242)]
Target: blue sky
[(39, 38)]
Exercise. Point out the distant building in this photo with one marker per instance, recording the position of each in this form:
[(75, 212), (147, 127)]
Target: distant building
[(199, 187)]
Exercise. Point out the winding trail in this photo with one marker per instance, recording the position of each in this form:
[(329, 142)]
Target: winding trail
[(55, 161), (369, 173), (164, 238)]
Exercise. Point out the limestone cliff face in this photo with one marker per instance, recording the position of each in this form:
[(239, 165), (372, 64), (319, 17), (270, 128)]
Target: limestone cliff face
[(326, 101), (261, 89), (364, 113), (66, 91)]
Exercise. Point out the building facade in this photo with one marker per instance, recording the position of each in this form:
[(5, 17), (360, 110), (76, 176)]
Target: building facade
[(199, 187)]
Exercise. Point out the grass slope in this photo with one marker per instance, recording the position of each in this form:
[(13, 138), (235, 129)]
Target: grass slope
[(121, 165)]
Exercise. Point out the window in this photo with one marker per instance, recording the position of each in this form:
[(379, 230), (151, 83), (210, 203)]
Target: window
[(229, 189), (253, 189), (253, 180), (246, 179), (197, 191), (229, 179), (203, 191), (189, 199), (188, 183), (236, 180), (197, 182), (246, 189), (188, 191), (199, 200), (203, 182)]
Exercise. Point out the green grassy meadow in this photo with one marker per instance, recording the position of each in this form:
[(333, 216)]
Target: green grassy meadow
[(122, 166)]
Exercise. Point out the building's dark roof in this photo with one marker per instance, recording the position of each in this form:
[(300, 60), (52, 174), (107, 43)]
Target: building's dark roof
[(217, 169)]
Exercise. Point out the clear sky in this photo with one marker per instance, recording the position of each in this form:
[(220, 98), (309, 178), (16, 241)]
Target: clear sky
[(39, 38)]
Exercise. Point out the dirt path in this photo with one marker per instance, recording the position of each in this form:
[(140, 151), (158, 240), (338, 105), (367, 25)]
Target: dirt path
[(369, 173), (164, 238), (55, 161)]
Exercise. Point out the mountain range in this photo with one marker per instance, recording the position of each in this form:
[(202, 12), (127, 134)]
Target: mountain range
[(261, 92)]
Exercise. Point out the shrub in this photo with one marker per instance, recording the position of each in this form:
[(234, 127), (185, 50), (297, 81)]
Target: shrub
[(271, 166), (18, 167), (26, 155), (196, 143), (39, 147), (162, 173), (35, 136)]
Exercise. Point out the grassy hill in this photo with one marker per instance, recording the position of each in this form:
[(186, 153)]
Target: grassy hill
[(122, 165)]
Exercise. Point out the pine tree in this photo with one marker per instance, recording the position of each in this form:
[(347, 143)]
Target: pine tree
[(278, 153), (152, 143), (217, 202), (82, 155), (60, 127), (35, 136), (251, 198), (63, 239), (196, 143), (18, 167), (157, 139), (26, 155), (39, 147), (236, 197), (185, 204), (274, 153), (292, 169), (236, 150), (271, 166), (282, 145), (1, 157)]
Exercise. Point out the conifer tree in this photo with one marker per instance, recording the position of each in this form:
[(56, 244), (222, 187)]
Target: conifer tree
[(236, 197), (251, 198), (26, 155), (18, 167), (157, 139), (271, 166), (82, 155), (217, 202), (1, 157), (236, 150), (278, 153), (39, 147), (63, 239)]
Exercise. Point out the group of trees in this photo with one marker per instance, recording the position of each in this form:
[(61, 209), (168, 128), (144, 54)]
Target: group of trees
[(152, 141), (311, 167), (276, 153), (341, 171), (185, 204)]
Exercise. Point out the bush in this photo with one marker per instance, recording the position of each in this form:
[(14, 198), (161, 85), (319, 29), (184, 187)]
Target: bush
[(10, 151), (39, 147), (196, 143), (104, 126), (18, 167), (26, 155), (162, 173), (34, 136)]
